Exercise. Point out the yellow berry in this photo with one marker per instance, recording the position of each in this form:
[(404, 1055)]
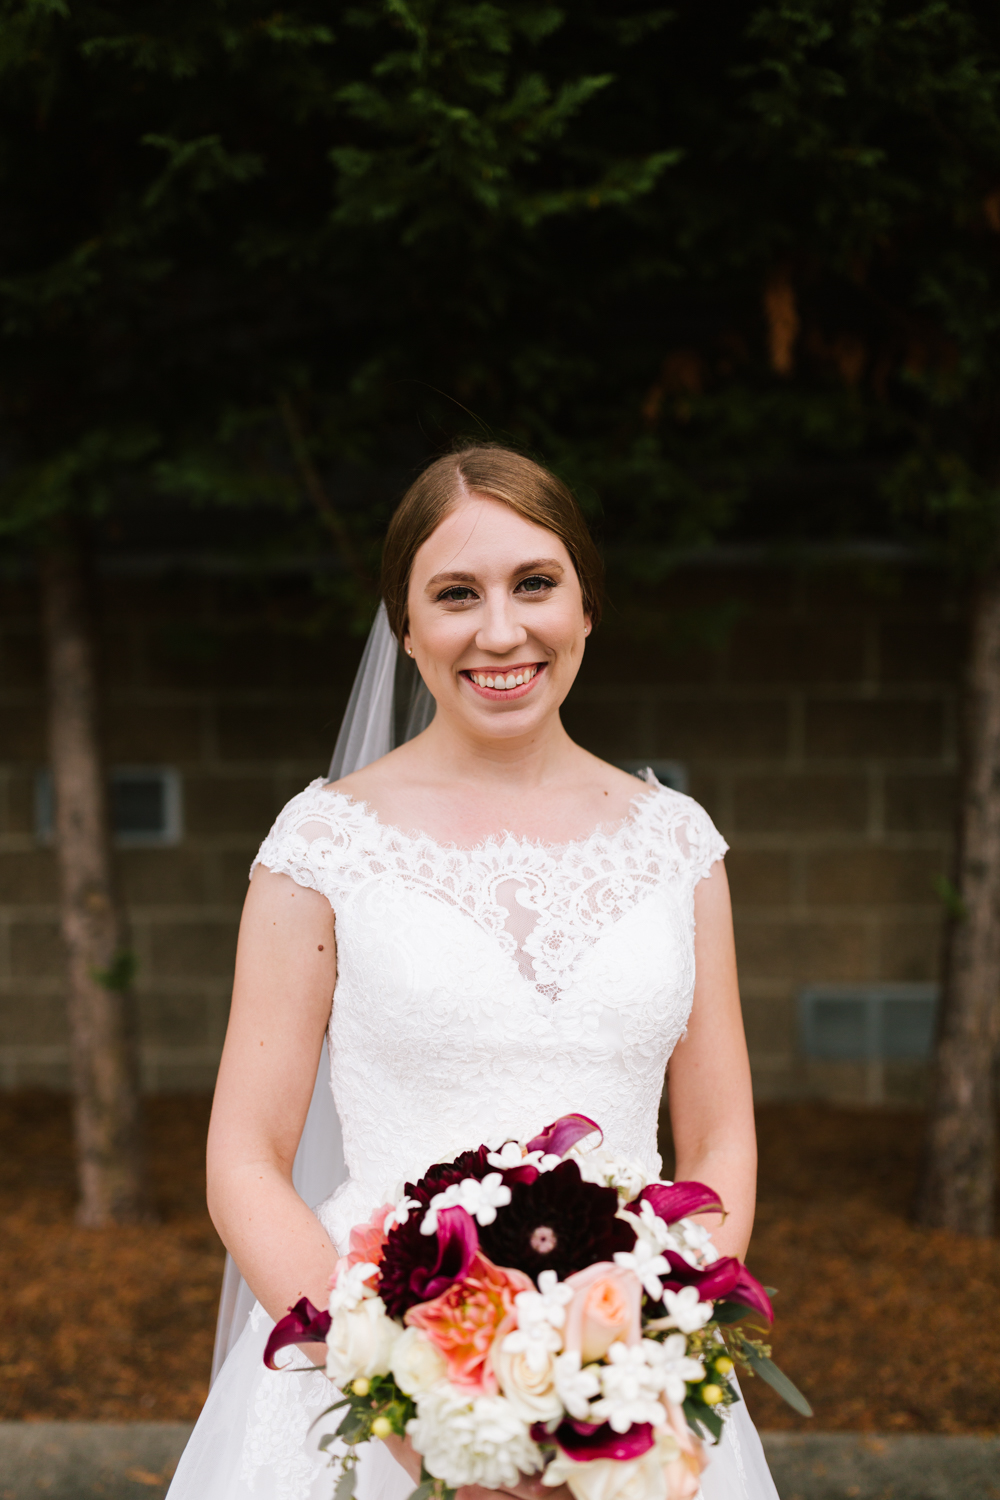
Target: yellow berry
[(711, 1394), (382, 1427), (361, 1386), (723, 1365)]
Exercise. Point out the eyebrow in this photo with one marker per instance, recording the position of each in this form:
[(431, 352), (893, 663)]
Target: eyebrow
[(550, 564)]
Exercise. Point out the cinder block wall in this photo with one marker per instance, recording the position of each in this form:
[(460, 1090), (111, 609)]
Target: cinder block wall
[(815, 712)]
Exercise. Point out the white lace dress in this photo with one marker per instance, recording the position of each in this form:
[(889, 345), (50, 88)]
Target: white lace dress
[(481, 993)]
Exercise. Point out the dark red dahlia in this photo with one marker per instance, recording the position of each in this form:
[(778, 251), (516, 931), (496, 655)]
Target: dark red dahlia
[(417, 1267), (468, 1164), (558, 1223)]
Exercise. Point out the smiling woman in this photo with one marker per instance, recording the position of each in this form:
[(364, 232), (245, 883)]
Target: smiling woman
[(493, 928)]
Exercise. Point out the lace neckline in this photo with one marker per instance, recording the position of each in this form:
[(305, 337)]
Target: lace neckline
[(604, 835)]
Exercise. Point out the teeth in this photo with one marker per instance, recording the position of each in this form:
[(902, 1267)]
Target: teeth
[(504, 682)]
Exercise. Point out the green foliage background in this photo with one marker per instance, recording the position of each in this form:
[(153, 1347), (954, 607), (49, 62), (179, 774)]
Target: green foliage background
[(732, 269)]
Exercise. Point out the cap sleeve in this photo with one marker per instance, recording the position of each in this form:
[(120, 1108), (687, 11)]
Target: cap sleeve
[(307, 841), (706, 842), (688, 833)]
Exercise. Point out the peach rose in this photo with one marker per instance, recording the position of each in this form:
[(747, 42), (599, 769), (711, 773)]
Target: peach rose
[(368, 1240), (463, 1321), (685, 1459), (607, 1306)]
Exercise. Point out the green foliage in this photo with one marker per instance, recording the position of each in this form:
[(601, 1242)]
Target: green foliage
[(733, 270)]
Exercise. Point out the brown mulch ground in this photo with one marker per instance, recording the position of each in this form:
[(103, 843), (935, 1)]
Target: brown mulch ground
[(885, 1327)]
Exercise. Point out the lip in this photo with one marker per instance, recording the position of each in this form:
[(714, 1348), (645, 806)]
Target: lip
[(495, 695)]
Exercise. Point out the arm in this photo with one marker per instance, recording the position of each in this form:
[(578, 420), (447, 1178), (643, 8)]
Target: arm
[(282, 994), (711, 1102)]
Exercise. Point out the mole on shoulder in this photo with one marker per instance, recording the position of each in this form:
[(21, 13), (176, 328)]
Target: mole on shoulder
[(320, 948)]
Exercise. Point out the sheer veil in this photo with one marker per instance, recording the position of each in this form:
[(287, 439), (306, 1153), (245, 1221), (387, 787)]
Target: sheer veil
[(388, 705)]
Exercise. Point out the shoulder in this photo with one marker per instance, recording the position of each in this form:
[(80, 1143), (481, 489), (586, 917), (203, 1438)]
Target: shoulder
[(312, 835), (687, 827)]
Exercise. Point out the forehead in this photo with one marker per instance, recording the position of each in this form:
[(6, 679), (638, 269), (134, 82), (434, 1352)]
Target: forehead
[(481, 534)]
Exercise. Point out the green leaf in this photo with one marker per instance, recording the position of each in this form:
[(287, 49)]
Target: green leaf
[(700, 1415), (731, 1312), (776, 1379), (346, 1484), (423, 1491)]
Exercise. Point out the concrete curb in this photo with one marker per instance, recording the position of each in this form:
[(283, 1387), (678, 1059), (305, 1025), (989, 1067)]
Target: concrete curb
[(856, 1466), (134, 1461)]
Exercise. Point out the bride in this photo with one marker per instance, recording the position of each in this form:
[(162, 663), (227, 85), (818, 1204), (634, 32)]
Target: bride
[(492, 928)]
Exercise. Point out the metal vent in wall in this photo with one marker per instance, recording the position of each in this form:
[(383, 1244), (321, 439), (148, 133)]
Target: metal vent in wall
[(867, 1023), (146, 806)]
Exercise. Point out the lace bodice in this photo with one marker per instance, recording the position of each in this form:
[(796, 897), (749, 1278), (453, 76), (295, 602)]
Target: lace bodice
[(483, 992)]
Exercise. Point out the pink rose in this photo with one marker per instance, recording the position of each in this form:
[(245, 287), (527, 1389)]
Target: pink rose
[(606, 1308), (463, 1321)]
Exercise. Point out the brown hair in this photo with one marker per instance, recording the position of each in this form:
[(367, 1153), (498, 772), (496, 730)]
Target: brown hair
[(500, 474)]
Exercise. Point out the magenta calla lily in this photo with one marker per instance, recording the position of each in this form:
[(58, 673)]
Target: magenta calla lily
[(302, 1324), (726, 1279), (585, 1442), (678, 1200), (557, 1138), (458, 1246)]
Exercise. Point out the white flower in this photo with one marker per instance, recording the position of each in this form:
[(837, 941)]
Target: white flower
[(400, 1213), (547, 1305), (576, 1387), (526, 1374), (611, 1478), (684, 1310), (513, 1154), (647, 1264), (631, 1384), (509, 1155), (360, 1341), (673, 1365), (607, 1170), (694, 1242), (417, 1363), (479, 1199), (482, 1441), (352, 1286), (652, 1227)]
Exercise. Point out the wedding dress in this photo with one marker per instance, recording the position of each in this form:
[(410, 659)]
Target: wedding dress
[(481, 993)]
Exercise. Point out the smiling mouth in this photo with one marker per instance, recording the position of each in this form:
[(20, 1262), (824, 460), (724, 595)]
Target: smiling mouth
[(512, 683)]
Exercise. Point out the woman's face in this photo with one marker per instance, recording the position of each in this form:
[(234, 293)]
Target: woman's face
[(495, 599)]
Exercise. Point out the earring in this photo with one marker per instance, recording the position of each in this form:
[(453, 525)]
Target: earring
[(409, 651)]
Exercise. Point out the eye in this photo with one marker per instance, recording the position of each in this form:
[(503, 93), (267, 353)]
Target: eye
[(536, 584), (457, 594)]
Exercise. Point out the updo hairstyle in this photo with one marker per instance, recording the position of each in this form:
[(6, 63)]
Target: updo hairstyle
[(498, 474)]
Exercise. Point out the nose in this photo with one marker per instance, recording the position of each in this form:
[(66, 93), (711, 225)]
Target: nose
[(500, 631)]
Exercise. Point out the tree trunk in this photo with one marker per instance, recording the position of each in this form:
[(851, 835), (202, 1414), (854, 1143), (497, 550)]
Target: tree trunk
[(959, 1181), (104, 1071)]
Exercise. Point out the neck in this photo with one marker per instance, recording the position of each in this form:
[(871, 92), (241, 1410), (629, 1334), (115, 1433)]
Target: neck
[(516, 763)]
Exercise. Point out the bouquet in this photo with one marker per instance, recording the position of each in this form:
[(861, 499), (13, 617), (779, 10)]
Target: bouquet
[(539, 1308)]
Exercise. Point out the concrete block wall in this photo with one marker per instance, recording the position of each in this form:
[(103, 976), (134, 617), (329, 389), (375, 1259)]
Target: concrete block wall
[(815, 712)]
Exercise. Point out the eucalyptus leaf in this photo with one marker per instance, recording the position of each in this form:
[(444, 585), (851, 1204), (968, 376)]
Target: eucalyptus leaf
[(423, 1491), (346, 1484), (776, 1379)]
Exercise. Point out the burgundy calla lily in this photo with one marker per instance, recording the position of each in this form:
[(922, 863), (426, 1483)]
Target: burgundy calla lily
[(458, 1246), (302, 1324), (725, 1279), (586, 1441), (678, 1200), (557, 1138)]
